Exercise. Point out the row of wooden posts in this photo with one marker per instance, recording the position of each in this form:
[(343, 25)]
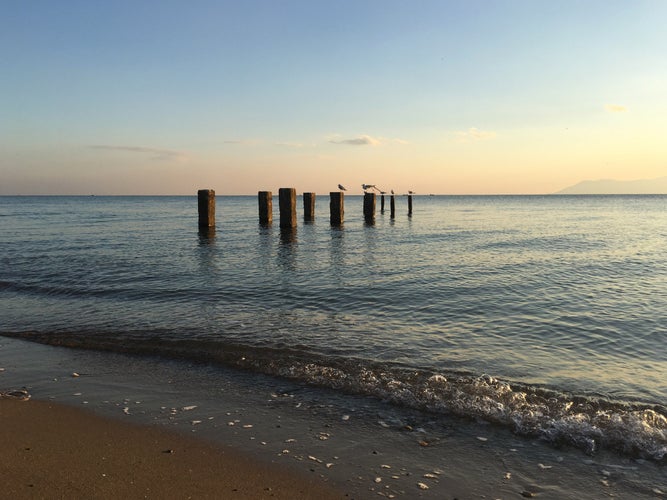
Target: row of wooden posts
[(287, 206)]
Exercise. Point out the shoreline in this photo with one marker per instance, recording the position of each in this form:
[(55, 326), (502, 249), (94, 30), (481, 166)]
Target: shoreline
[(55, 450), (358, 447)]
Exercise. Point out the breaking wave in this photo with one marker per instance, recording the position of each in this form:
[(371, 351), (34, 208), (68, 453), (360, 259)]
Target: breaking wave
[(583, 421)]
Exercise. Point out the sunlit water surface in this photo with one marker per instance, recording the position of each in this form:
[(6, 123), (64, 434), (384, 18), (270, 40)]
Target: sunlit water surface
[(544, 314)]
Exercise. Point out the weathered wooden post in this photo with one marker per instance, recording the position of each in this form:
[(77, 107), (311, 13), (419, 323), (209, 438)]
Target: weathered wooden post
[(336, 207), (287, 204), (382, 203), (206, 205), (308, 206), (265, 199), (392, 206), (409, 204), (369, 207)]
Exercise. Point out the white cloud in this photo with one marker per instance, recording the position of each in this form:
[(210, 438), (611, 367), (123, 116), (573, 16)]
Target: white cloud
[(160, 154), (615, 108), (474, 134)]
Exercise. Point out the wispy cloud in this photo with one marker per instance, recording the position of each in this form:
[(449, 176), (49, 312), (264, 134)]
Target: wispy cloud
[(615, 108), (362, 140), (264, 143), (159, 154), (242, 142), (474, 134)]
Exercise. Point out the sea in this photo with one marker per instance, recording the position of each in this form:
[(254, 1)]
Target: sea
[(481, 324)]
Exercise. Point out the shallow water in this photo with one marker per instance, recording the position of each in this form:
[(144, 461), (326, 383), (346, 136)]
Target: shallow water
[(546, 315)]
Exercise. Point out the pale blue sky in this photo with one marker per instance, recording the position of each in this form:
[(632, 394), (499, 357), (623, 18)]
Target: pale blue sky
[(437, 96)]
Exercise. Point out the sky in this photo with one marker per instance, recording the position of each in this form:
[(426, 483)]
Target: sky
[(446, 97)]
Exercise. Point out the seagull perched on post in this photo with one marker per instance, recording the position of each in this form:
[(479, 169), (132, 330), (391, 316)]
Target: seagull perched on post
[(369, 186), (341, 187)]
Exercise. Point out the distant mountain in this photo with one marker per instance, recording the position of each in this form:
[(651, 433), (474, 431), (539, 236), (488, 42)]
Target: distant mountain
[(610, 186)]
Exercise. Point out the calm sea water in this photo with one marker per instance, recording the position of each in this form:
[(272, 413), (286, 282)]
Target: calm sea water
[(547, 315)]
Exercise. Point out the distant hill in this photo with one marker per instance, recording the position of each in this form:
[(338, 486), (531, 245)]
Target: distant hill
[(610, 186)]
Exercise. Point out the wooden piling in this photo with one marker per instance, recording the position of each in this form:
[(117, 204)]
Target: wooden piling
[(409, 204), (392, 206), (308, 206), (206, 205), (369, 206), (265, 199), (287, 204), (382, 203), (336, 207)]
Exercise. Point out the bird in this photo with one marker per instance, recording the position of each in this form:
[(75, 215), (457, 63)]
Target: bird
[(369, 186), (341, 187), (392, 191), (411, 192)]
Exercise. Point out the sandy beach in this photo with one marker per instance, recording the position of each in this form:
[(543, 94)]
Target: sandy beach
[(52, 450)]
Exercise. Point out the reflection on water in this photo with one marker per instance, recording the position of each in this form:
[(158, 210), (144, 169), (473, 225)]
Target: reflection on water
[(264, 248), (370, 246), (337, 248), (287, 235), (287, 249), (207, 235)]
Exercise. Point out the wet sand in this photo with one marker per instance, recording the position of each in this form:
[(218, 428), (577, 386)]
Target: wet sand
[(51, 450)]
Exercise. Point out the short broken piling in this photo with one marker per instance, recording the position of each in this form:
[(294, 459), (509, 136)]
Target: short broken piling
[(309, 206), (336, 207), (369, 207), (265, 199), (206, 206), (287, 204)]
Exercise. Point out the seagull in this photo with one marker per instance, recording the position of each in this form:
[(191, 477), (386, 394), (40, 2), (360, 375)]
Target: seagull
[(370, 186), (411, 192), (341, 187), (392, 191)]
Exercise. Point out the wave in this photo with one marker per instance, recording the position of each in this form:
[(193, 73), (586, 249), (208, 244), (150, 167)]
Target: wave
[(583, 421), (120, 292)]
